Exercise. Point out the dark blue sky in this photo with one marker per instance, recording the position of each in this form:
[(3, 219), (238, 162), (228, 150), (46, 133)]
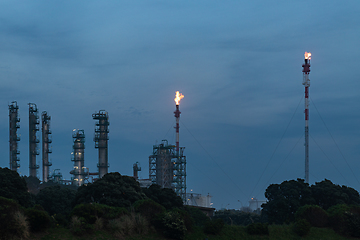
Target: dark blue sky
[(238, 64)]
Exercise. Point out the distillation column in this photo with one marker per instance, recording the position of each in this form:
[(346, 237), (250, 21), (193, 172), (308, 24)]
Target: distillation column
[(79, 172), (33, 140), (46, 149), (13, 136), (101, 140), (306, 83)]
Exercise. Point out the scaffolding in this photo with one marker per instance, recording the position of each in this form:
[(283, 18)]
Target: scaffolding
[(46, 149), (101, 140), (33, 140), (167, 168), (14, 138), (80, 172)]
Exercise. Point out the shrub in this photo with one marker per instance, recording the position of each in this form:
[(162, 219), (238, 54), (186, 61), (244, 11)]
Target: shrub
[(128, 225), (198, 217), (13, 222), (345, 219), (315, 215), (258, 229), (92, 211), (149, 209), (79, 226), (173, 225), (301, 227), (214, 226), (38, 219)]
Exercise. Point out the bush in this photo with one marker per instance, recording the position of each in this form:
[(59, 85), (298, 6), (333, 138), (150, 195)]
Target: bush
[(13, 222), (92, 211), (315, 215), (214, 227), (258, 229), (128, 225), (79, 226), (173, 225), (198, 217), (345, 219), (149, 209), (301, 227), (38, 219)]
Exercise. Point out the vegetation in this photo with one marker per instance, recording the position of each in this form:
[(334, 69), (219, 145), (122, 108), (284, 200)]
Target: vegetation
[(115, 207)]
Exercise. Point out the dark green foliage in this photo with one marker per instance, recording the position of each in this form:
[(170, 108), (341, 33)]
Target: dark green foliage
[(112, 190), (258, 229), (315, 215), (13, 186), (164, 196), (199, 218), (149, 209), (173, 225), (56, 199), (327, 194), (233, 217), (38, 219), (61, 219), (301, 227), (285, 199), (80, 227), (214, 227), (345, 219), (89, 212), (8, 226)]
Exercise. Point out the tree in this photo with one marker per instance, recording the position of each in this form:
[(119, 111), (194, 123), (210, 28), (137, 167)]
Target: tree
[(327, 194), (13, 186), (164, 196), (112, 190), (285, 199), (56, 199)]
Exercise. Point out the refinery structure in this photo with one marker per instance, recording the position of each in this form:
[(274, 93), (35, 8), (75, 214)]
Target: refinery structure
[(167, 163)]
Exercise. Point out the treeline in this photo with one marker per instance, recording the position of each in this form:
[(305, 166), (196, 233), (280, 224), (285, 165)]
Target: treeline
[(294, 202), (114, 204)]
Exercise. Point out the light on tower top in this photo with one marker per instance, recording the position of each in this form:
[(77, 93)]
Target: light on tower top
[(307, 55), (178, 97)]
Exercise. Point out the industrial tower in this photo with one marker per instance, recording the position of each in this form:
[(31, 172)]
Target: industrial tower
[(14, 120), (101, 140), (306, 83), (167, 164), (33, 140), (46, 149), (79, 172)]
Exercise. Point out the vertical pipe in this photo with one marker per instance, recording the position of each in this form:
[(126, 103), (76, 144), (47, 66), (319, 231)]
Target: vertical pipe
[(177, 116), (13, 137), (46, 140), (33, 140)]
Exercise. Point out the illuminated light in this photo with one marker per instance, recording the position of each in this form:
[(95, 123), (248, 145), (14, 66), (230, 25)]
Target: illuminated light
[(307, 55), (178, 97)]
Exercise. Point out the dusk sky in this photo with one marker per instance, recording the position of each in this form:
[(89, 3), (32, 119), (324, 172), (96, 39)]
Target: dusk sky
[(238, 64)]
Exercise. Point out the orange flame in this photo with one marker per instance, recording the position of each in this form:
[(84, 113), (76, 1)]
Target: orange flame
[(307, 55), (178, 97)]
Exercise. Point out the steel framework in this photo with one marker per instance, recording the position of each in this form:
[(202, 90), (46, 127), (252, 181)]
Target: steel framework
[(80, 172), (167, 168), (46, 149), (33, 140), (101, 140), (14, 120)]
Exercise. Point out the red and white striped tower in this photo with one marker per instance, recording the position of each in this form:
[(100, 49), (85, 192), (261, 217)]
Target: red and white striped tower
[(306, 83), (178, 97)]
